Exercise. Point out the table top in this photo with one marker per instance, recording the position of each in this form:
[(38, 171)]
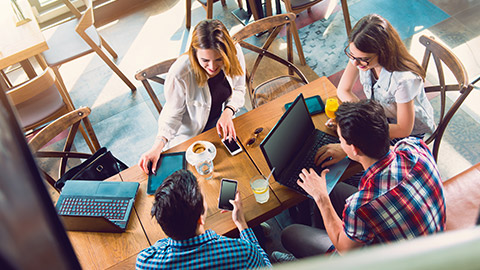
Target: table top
[(118, 251), (18, 43)]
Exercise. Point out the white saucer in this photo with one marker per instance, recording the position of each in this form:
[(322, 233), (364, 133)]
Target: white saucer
[(193, 158)]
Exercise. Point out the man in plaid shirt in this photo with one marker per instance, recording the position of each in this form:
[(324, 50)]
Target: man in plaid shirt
[(400, 195), (181, 209)]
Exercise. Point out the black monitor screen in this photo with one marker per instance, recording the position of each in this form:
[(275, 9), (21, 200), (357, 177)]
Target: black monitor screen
[(31, 234), (288, 136)]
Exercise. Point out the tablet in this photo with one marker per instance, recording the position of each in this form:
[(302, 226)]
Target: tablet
[(314, 104), (169, 163)]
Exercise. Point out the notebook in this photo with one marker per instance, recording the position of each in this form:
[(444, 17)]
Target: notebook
[(292, 144), (96, 206)]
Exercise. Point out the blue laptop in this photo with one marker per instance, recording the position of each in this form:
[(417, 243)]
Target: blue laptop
[(96, 206)]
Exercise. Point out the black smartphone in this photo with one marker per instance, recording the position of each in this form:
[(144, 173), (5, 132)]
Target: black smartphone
[(232, 146), (228, 189)]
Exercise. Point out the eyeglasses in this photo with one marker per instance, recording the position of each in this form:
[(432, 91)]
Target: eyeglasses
[(362, 61), (255, 135)]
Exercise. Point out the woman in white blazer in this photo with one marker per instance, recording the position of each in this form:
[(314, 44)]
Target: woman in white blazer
[(203, 89)]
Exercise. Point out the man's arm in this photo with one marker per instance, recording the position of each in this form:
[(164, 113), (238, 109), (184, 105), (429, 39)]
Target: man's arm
[(316, 187), (245, 233)]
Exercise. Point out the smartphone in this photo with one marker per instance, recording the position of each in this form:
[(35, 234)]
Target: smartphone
[(228, 189), (232, 146)]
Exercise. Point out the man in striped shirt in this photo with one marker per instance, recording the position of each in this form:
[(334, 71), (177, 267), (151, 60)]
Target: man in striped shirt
[(400, 195), (180, 209)]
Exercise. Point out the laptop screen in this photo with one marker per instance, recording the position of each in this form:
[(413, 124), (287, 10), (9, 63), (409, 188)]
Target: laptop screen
[(288, 136)]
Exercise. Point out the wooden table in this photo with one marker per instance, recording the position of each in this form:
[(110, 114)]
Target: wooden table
[(103, 250), (267, 115), (18, 43), (118, 251)]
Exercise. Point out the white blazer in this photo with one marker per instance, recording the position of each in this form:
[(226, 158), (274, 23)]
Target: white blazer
[(187, 105)]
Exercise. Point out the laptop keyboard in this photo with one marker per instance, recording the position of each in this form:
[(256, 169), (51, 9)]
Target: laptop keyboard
[(108, 208), (308, 161)]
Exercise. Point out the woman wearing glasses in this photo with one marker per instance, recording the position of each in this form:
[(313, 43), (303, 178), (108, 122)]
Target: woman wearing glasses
[(203, 89), (389, 75)]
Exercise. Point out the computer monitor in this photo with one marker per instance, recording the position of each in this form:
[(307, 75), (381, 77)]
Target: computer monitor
[(31, 233)]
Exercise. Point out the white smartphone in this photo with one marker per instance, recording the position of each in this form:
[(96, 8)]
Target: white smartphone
[(228, 189), (232, 146)]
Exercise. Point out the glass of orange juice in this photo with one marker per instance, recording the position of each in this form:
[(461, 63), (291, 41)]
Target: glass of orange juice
[(331, 107)]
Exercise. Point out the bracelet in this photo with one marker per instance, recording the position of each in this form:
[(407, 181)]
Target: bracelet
[(161, 138), (230, 107)]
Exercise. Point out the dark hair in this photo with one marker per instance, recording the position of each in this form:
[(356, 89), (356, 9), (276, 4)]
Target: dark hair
[(374, 34), (178, 205), (364, 125)]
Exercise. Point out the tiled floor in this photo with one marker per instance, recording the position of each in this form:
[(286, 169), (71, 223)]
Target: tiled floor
[(125, 122)]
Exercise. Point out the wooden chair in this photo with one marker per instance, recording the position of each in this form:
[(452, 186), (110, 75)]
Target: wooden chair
[(278, 85), (207, 5), (70, 121), (76, 38), (442, 56), (152, 73), (40, 101), (297, 6)]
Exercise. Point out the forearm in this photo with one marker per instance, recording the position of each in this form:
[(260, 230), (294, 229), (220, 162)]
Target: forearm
[(333, 224), (397, 131)]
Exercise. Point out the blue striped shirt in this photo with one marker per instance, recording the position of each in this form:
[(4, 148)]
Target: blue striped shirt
[(205, 251)]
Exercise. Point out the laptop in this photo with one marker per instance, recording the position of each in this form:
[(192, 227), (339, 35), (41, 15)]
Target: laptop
[(292, 144), (96, 206)]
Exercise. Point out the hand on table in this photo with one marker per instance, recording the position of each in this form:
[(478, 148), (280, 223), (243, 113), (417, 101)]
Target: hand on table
[(225, 126), (329, 154)]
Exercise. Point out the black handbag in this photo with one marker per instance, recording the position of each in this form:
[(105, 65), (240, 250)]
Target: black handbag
[(99, 166)]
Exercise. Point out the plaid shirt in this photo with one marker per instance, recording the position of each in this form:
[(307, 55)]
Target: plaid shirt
[(399, 197), (205, 251)]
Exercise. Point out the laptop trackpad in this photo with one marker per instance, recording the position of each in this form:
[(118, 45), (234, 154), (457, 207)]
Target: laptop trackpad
[(108, 189)]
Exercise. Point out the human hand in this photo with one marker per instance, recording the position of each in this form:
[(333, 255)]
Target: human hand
[(225, 126), (238, 216), (312, 183), (331, 124), (329, 154), (151, 156)]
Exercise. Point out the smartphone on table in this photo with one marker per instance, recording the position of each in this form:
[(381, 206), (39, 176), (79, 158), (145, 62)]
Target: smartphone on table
[(228, 189), (232, 146)]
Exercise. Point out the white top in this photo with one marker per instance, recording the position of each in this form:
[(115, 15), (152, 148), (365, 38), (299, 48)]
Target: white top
[(400, 87), (187, 105)]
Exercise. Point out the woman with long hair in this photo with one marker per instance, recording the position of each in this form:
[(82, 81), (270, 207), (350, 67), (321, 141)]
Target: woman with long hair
[(389, 75), (203, 89)]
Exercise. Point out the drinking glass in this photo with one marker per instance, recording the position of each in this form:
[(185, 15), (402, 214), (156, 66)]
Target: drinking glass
[(331, 107), (259, 185), (205, 168)]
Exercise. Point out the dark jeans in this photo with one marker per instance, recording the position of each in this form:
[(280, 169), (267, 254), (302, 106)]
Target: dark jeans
[(305, 241)]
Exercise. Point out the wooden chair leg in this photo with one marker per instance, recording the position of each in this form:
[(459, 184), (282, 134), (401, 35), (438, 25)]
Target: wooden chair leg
[(209, 9), (61, 84), (240, 4), (108, 48), (224, 3), (188, 13), (115, 68), (41, 61), (298, 44), (346, 17)]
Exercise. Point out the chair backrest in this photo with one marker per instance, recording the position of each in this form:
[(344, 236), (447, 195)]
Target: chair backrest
[(40, 100), (152, 73), (274, 24), (70, 121), (442, 56)]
